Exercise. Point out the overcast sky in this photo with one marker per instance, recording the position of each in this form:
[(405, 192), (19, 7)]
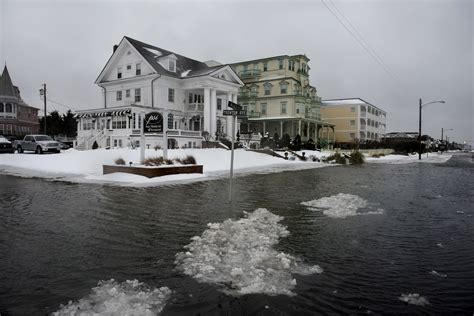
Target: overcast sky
[(418, 49)]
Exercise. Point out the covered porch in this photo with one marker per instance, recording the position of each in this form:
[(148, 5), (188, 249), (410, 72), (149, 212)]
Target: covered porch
[(307, 128)]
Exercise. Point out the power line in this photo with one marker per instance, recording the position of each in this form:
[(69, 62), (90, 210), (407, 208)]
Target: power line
[(359, 38), (66, 106)]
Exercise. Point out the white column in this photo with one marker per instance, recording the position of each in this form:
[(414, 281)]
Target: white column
[(213, 113), (228, 118), (207, 110), (281, 129), (299, 129)]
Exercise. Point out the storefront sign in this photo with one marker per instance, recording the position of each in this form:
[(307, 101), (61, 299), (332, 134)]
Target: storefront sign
[(153, 123)]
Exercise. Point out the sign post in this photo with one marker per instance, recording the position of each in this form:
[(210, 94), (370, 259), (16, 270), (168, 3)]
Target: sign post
[(165, 136), (152, 123), (142, 137), (235, 112)]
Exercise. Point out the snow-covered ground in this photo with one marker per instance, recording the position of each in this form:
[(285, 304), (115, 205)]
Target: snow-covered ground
[(86, 166)]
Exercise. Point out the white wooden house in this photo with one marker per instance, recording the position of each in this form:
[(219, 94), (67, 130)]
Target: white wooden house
[(140, 78)]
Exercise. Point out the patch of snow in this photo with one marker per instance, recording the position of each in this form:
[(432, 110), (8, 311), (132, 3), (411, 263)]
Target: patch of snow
[(414, 299), (402, 159), (113, 298), (341, 205), (239, 255), (435, 273), (185, 73), (153, 51)]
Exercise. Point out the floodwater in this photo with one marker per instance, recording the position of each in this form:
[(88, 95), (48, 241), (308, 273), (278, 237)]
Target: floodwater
[(389, 239)]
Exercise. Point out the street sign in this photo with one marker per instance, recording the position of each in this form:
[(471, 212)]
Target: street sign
[(234, 106), (234, 112)]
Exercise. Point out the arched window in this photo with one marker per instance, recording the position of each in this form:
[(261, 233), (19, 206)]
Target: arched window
[(170, 121), (8, 108), (2, 109)]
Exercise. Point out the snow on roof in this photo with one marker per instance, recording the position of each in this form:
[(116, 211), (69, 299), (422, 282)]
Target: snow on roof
[(153, 51), (343, 101), (185, 73)]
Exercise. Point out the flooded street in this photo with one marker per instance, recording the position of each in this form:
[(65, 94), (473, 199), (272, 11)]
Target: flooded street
[(389, 239)]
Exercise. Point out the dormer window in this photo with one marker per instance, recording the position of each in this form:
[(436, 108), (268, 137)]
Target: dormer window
[(172, 65), (119, 72)]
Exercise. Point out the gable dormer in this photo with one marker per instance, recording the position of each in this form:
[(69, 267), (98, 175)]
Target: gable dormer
[(168, 62), (226, 73)]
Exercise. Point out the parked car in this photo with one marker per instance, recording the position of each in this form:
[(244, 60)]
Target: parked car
[(38, 143), (6, 146), (62, 145)]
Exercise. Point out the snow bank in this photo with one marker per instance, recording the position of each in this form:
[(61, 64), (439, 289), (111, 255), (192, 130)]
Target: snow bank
[(414, 299), (112, 298), (401, 159), (86, 166), (341, 205), (239, 255)]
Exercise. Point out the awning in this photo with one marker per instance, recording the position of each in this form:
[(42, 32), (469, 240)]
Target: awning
[(104, 113)]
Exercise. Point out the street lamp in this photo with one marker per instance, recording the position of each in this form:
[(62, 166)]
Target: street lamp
[(419, 124)]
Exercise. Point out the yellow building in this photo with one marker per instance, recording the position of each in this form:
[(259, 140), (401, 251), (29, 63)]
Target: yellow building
[(355, 119), (279, 98)]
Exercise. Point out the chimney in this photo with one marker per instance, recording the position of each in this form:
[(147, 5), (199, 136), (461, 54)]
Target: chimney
[(115, 48)]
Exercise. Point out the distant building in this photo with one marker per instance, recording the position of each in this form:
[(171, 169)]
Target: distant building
[(16, 117), (140, 78), (278, 97), (354, 119)]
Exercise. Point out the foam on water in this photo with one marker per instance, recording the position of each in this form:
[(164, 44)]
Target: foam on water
[(113, 298), (239, 255), (342, 205), (436, 273), (414, 299)]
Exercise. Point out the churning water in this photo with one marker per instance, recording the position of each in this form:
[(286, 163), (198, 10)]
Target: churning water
[(291, 243)]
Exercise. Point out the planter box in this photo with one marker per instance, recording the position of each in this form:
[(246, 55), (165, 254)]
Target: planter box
[(152, 172)]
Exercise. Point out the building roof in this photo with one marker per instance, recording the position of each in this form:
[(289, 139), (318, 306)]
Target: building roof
[(6, 85), (269, 58), (401, 135), (348, 101), (185, 67)]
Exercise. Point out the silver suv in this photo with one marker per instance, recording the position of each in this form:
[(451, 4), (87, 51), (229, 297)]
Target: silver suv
[(38, 144)]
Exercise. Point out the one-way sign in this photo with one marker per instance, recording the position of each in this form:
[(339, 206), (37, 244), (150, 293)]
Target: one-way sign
[(234, 106), (235, 112)]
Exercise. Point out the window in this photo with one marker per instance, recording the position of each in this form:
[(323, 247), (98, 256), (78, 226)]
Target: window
[(190, 98), (255, 66), (264, 108), (170, 95), (8, 108), (283, 108), (129, 67), (219, 104), (268, 88), (280, 63), (171, 65), (353, 122), (283, 87), (353, 109), (170, 121), (138, 69), (127, 93), (291, 65), (265, 66), (1, 107), (119, 122), (119, 72), (138, 95), (119, 96), (352, 135)]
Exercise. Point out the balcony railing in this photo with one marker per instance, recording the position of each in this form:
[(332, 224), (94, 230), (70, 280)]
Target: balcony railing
[(197, 107), (313, 116), (248, 95), (250, 73), (253, 114)]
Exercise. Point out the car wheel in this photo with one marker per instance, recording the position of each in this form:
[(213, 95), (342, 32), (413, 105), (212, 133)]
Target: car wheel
[(19, 149), (38, 150)]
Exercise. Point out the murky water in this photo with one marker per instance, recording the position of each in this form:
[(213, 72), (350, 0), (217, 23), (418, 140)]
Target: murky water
[(409, 230)]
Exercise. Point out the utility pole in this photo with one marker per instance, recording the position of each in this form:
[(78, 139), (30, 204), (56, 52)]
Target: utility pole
[(419, 133), (43, 92), (442, 129)]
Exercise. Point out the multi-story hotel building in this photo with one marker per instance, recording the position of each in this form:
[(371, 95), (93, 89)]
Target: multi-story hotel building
[(140, 78), (278, 97), (16, 117), (354, 119)]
